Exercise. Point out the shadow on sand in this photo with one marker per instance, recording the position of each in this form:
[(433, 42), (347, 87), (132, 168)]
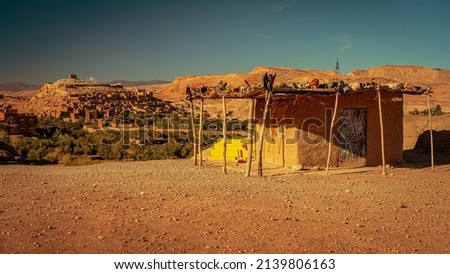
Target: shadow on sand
[(420, 155)]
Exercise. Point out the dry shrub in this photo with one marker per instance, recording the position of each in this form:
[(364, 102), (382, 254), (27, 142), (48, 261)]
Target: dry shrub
[(70, 160)]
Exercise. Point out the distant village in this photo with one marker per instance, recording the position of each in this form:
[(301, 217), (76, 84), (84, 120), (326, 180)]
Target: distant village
[(99, 104)]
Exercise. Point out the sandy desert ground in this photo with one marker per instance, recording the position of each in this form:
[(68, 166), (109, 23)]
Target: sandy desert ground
[(172, 206)]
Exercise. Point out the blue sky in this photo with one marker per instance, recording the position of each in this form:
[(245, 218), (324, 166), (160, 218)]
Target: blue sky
[(162, 39)]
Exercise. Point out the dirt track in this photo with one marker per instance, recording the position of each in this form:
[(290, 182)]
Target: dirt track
[(174, 207)]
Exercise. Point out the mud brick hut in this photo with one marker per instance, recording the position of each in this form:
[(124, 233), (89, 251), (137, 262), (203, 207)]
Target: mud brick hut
[(299, 127), (333, 125)]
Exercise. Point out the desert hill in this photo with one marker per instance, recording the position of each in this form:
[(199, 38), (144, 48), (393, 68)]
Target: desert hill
[(438, 79), (404, 73), (408, 74), (17, 86), (177, 88)]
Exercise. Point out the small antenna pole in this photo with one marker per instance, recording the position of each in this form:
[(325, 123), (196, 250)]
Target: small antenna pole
[(338, 74)]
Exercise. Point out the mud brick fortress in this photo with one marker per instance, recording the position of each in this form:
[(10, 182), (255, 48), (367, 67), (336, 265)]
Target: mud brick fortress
[(76, 99)]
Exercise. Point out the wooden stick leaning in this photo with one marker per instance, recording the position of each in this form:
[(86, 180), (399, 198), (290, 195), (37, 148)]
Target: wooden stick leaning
[(200, 134), (224, 133), (261, 137), (250, 137), (383, 159), (268, 81), (431, 132), (330, 140), (193, 128)]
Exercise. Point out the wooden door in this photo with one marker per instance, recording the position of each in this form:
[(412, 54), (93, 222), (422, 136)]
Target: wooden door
[(353, 137), (274, 146)]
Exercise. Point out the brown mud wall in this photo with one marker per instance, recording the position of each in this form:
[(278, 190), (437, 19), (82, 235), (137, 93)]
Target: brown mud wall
[(298, 128)]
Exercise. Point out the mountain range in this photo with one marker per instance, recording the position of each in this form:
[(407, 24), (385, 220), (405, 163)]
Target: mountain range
[(20, 86)]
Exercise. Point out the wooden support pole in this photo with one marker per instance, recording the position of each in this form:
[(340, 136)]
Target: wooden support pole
[(383, 159), (224, 133), (330, 136), (431, 132), (200, 134), (283, 143), (261, 137), (250, 137), (193, 129)]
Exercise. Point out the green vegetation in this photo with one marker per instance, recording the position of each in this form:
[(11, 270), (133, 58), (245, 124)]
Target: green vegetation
[(71, 144), (57, 141), (5, 127), (435, 111), (3, 135)]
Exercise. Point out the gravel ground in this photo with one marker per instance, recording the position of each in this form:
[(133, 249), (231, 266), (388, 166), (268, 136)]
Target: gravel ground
[(172, 206)]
